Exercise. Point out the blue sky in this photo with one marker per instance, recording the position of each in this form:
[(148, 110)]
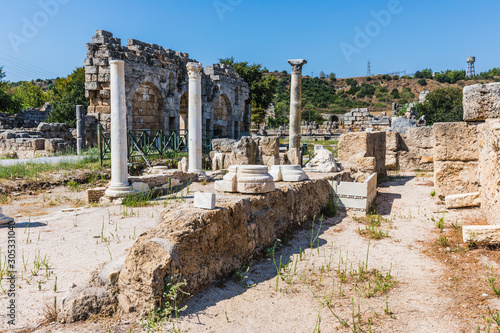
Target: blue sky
[(46, 38)]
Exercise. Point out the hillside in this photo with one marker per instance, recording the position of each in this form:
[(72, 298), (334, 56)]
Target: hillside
[(377, 93)]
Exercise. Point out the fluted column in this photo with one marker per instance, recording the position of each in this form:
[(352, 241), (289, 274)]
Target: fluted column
[(195, 122), (120, 186), (295, 109)]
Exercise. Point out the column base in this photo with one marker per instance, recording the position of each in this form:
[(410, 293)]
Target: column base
[(294, 156), (197, 171), (119, 191), (5, 220)]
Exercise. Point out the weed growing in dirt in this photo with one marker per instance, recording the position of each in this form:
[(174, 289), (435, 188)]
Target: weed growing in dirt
[(138, 200), (51, 312), (168, 310), (433, 193), (491, 281), (373, 228)]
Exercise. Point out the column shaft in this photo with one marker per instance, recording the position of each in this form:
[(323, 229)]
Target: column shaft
[(195, 122)]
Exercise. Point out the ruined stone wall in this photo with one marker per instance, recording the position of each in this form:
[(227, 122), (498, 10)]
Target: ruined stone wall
[(356, 146), (413, 150), (456, 157), (29, 118), (47, 138), (157, 83), (203, 246)]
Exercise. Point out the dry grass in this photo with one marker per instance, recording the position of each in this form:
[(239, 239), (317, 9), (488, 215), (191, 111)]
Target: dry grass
[(465, 278)]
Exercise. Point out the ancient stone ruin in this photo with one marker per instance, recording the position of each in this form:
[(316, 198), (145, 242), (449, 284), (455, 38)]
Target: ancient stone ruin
[(156, 83)]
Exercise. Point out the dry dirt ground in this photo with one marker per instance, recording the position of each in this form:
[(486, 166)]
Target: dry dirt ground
[(393, 273)]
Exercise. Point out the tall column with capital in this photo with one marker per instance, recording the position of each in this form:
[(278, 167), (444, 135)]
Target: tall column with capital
[(295, 110), (195, 122), (120, 187)]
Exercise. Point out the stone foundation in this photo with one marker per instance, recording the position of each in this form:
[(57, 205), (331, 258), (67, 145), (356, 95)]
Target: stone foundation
[(355, 146), (203, 246)]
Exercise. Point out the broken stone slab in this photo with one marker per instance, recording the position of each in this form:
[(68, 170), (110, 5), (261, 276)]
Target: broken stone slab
[(110, 273), (463, 200), (229, 182), (83, 302), (481, 102), (254, 179), (159, 169), (482, 234), (183, 165), (204, 200), (323, 161)]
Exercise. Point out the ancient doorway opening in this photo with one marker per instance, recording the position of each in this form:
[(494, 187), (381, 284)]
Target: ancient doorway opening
[(147, 109), (183, 113), (222, 112)]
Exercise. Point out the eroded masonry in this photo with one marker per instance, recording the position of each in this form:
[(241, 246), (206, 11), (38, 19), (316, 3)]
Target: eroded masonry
[(157, 89)]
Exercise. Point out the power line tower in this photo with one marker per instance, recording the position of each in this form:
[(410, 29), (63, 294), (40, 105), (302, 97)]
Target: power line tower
[(369, 71), (471, 71)]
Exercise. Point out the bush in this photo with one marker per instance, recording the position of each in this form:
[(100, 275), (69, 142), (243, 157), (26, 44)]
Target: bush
[(442, 105), (395, 93), (422, 82)]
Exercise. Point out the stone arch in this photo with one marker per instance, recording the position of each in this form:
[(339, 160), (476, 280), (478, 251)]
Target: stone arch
[(222, 117), (334, 118), (183, 113), (147, 108)]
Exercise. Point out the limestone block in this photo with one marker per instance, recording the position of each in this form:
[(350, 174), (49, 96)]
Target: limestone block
[(230, 181), (42, 127), (391, 161), (456, 177), (402, 125), (392, 140), (489, 171), (218, 161), (183, 165), (140, 187), (482, 234), (367, 164), (204, 200), (419, 137), (223, 145), (481, 101), (354, 146), (455, 142), (463, 200), (254, 179), (323, 161)]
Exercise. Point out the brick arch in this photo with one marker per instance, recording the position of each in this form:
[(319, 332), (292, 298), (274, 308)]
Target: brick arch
[(147, 108), (222, 124)]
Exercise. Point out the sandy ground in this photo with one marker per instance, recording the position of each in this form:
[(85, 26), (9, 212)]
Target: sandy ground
[(310, 297)]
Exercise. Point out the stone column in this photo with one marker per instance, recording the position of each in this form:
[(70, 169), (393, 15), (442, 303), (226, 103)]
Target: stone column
[(80, 129), (295, 110), (195, 122), (120, 186), (4, 219)]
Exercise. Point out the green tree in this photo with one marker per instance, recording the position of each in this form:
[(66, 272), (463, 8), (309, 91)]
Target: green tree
[(7, 102), (333, 77), (422, 82), (262, 87), (443, 105), (395, 93), (322, 75), (67, 94), (29, 95)]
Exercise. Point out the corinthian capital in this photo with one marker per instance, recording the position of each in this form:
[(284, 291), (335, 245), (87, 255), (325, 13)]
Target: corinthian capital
[(297, 65), (194, 69)]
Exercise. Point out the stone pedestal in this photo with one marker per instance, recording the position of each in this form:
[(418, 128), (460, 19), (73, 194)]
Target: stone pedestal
[(288, 173), (4, 219), (295, 107), (204, 200), (120, 186), (195, 118), (254, 179), (80, 129)]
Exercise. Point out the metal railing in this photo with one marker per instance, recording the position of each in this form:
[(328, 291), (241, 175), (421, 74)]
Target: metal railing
[(147, 143)]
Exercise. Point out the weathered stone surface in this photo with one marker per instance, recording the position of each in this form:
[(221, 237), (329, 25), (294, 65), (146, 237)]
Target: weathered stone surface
[(392, 141), (354, 146), (489, 171), (419, 137), (455, 142), (463, 200), (294, 156), (84, 302), (482, 234), (230, 181), (323, 161), (156, 89), (402, 125), (481, 101), (183, 165), (254, 179), (110, 272), (203, 246), (455, 177), (223, 145)]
